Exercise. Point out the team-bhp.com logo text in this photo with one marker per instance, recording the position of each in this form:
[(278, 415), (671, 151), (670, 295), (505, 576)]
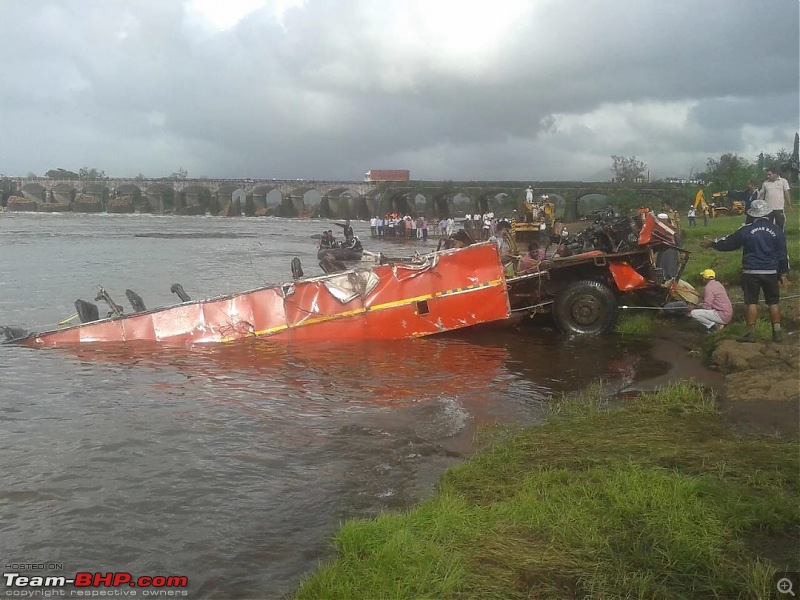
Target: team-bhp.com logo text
[(94, 584)]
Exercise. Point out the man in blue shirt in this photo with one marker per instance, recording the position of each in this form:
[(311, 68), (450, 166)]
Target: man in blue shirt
[(765, 266)]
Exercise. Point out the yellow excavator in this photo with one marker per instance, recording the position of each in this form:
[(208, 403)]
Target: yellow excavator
[(722, 203), (727, 203), (537, 218)]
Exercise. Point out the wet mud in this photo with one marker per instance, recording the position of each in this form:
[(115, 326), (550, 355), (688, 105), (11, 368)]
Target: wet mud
[(677, 350), (757, 385)]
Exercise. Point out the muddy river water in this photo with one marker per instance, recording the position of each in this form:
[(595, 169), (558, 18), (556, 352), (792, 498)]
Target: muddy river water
[(234, 465)]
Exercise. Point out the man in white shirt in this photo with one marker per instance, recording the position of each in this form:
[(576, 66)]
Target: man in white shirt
[(775, 190)]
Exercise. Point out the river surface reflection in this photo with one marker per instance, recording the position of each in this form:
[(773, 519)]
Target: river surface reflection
[(233, 465)]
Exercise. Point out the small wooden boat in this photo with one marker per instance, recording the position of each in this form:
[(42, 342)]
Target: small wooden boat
[(438, 292)]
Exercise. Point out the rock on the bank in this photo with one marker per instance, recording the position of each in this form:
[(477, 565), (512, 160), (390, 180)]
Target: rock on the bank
[(759, 371)]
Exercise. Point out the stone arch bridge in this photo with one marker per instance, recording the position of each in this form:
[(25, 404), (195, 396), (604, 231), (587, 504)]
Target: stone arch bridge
[(332, 199)]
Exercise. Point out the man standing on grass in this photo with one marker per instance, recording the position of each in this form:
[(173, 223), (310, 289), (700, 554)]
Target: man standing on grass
[(765, 266), (716, 311), (775, 190)]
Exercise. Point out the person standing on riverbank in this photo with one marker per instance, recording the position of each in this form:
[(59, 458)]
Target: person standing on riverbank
[(765, 266), (775, 191), (716, 311)]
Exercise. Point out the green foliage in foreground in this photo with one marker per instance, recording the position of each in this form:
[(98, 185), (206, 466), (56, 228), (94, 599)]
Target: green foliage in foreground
[(635, 323), (658, 499)]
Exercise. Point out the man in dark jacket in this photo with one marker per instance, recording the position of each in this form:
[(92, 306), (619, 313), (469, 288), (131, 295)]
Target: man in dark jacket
[(765, 266)]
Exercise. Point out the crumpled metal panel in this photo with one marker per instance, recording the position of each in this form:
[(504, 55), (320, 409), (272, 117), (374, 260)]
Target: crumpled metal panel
[(626, 278), (655, 231), (351, 285), (449, 290)]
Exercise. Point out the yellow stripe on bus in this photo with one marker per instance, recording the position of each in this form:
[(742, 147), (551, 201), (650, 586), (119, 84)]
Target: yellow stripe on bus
[(376, 307)]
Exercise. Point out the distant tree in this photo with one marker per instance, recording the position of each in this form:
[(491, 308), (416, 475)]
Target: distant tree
[(181, 173), (761, 162), (62, 174), (32, 175), (87, 174), (139, 177), (781, 161), (628, 170), (731, 171)]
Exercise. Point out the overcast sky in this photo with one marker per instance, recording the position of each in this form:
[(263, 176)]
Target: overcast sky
[(450, 89)]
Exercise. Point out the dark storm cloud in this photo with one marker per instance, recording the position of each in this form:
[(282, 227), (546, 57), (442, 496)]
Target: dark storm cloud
[(336, 88)]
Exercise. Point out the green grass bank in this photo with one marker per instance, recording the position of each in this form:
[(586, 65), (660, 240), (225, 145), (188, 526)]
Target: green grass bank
[(655, 497)]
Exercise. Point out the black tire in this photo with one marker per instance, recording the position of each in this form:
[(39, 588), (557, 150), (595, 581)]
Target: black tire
[(585, 308)]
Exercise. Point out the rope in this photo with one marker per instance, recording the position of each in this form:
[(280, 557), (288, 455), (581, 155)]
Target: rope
[(780, 300), (259, 274)]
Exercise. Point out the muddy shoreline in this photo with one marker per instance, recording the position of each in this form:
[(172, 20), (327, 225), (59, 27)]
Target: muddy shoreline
[(757, 386)]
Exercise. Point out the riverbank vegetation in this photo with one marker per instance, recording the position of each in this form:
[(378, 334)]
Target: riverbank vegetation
[(653, 498)]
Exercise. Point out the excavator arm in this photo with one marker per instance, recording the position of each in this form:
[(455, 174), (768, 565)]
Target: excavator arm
[(700, 201)]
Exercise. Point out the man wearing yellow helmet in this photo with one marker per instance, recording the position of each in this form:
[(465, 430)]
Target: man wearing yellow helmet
[(716, 311)]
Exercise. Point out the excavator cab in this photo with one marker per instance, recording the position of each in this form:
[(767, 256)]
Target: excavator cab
[(728, 203), (718, 204)]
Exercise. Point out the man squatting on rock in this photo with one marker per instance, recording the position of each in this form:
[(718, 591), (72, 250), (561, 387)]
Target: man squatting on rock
[(765, 266)]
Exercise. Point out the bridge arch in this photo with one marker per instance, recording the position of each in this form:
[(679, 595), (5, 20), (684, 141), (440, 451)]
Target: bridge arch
[(401, 201), (440, 204), (160, 198), (345, 203), (195, 200), (230, 198), (128, 190), (266, 199), (494, 200), (302, 201), (590, 200), (63, 194), (34, 191)]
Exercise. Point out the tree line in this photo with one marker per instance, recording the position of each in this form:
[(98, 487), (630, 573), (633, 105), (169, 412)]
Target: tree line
[(96, 175), (728, 172)]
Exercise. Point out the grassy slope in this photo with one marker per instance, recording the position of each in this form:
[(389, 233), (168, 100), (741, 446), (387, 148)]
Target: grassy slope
[(654, 500)]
